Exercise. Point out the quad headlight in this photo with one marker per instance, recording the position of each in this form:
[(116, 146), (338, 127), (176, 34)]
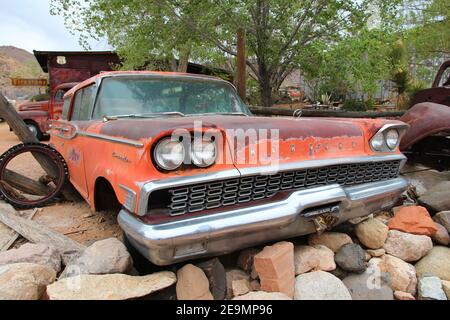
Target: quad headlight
[(386, 140), (169, 154), (203, 153), (377, 142), (392, 138)]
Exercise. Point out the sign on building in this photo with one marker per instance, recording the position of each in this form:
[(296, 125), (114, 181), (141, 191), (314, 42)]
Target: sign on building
[(20, 82)]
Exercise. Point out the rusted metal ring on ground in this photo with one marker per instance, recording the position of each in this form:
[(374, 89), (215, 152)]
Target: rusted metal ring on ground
[(46, 154)]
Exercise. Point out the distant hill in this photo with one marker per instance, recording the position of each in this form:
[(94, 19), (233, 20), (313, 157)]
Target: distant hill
[(16, 62)]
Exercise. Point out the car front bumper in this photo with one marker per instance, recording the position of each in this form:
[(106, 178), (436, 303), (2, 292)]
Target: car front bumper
[(221, 233)]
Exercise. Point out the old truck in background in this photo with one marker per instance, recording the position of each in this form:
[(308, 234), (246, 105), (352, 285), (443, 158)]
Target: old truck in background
[(38, 114)]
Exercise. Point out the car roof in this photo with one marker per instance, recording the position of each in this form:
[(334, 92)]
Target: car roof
[(128, 73)]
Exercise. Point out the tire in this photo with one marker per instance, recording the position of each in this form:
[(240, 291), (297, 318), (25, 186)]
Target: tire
[(53, 155), (34, 128)]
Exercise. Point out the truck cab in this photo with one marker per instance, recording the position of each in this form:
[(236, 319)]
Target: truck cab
[(37, 114)]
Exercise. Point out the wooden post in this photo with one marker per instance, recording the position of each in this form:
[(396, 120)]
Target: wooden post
[(241, 64), (10, 115), (38, 233)]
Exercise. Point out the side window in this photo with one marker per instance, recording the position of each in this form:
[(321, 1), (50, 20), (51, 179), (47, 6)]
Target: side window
[(86, 103), (66, 106), (76, 105), (83, 104)]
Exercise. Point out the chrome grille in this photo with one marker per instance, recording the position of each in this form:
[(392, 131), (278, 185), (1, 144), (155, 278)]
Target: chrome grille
[(198, 197)]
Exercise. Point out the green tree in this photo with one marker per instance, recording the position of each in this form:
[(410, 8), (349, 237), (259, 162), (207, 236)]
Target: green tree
[(278, 32), (426, 33)]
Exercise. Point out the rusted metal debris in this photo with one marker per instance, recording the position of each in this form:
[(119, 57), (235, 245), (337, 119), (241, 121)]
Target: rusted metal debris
[(27, 199)]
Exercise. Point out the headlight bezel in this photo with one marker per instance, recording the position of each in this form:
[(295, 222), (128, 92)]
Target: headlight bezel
[(157, 155), (399, 128)]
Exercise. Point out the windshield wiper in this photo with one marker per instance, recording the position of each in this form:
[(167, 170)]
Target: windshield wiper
[(143, 115), (220, 113)]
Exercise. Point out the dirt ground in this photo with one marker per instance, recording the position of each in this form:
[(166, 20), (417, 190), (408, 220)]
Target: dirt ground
[(76, 220)]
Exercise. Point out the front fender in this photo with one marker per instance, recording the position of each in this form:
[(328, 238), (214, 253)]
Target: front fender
[(425, 119)]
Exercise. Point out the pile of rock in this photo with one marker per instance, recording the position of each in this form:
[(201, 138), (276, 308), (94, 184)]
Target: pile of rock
[(404, 256), (99, 272), (384, 258)]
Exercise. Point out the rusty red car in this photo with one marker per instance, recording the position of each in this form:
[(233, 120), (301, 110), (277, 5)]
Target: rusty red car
[(195, 174), (37, 114)]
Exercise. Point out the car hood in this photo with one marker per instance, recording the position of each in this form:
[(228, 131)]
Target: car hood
[(284, 139)]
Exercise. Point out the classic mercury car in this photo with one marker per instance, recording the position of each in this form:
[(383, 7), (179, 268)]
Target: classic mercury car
[(196, 174)]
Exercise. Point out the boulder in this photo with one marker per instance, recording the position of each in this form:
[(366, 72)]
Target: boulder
[(436, 263), (332, 240), (372, 284), (102, 257), (430, 288), (406, 246), (320, 285), (402, 275), (24, 281), (372, 233), (307, 258), (275, 268), (446, 288), (262, 295), (192, 284), (215, 272), (443, 218), (33, 253), (400, 295), (413, 219), (361, 288), (441, 236), (436, 198), (351, 257), (109, 286), (376, 252), (245, 259), (238, 283), (240, 287)]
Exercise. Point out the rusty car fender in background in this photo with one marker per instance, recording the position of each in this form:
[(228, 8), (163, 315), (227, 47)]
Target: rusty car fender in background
[(425, 119)]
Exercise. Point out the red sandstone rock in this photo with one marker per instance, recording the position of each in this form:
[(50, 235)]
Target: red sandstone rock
[(413, 219), (275, 267)]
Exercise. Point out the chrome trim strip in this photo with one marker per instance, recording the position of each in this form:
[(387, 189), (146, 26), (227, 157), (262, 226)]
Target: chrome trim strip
[(111, 139), (263, 170), (149, 187), (244, 227)]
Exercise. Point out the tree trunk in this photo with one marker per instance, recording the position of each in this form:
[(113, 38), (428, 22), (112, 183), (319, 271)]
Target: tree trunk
[(183, 63), (266, 93)]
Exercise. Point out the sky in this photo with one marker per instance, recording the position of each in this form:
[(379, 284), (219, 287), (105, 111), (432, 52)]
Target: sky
[(27, 24)]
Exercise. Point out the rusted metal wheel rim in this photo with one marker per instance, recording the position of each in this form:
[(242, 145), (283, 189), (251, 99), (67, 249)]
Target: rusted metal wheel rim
[(53, 156)]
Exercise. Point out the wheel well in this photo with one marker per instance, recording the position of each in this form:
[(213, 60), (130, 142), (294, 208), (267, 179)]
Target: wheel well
[(105, 198)]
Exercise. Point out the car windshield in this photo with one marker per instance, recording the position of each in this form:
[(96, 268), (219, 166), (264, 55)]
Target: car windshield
[(149, 96)]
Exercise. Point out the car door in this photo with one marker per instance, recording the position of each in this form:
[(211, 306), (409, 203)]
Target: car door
[(75, 116)]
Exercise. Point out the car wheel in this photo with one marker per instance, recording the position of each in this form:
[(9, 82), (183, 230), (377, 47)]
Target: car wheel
[(35, 130)]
